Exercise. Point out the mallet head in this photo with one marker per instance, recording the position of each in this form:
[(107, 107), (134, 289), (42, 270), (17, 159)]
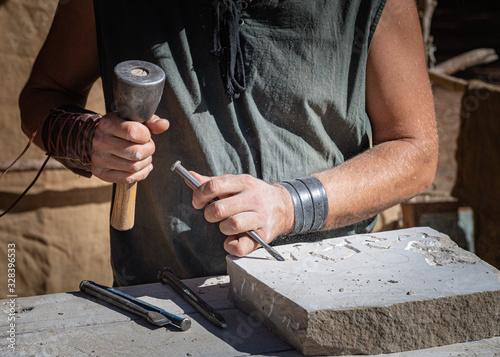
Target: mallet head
[(137, 89)]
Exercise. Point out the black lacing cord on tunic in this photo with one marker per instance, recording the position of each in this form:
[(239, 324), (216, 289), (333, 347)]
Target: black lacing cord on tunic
[(227, 46)]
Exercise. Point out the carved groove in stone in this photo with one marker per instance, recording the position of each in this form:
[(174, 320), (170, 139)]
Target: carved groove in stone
[(380, 242), (346, 251)]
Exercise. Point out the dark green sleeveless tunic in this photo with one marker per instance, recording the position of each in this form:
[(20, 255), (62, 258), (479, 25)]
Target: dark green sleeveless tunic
[(303, 112)]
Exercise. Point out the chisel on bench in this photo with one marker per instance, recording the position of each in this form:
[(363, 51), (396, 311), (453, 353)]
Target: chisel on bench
[(151, 313)]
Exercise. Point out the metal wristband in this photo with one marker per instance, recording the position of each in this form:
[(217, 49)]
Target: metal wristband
[(67, 135), (297, 208), (320, 201), (310, 204), (307, 204)]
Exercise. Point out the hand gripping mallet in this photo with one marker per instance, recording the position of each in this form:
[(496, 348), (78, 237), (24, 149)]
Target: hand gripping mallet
[(137, 90)]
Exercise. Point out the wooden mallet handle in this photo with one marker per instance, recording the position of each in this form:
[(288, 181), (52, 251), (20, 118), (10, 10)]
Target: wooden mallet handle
[(137, 90)]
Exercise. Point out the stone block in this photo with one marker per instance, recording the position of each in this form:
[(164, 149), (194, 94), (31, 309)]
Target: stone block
[(372, 293)]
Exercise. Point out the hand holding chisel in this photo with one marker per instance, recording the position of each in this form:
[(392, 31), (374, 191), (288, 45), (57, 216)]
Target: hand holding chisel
[(193, 181)]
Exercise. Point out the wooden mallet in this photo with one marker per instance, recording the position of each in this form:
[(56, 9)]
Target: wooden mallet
[(137, 90)]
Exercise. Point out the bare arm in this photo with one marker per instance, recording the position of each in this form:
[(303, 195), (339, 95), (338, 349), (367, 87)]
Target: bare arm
[(401, 164), (64, 71), (66, 67), (400, 105)]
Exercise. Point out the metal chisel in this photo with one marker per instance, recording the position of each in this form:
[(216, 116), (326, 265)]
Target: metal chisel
[(166, 276), (151, 313)]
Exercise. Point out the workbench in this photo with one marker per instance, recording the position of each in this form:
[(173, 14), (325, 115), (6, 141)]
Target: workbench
[(76, 324)]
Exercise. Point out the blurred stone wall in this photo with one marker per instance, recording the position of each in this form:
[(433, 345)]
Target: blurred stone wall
[(60, 229)]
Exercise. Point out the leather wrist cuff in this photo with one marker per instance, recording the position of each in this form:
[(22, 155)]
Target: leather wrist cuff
[(310, 204), (67, 135)]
